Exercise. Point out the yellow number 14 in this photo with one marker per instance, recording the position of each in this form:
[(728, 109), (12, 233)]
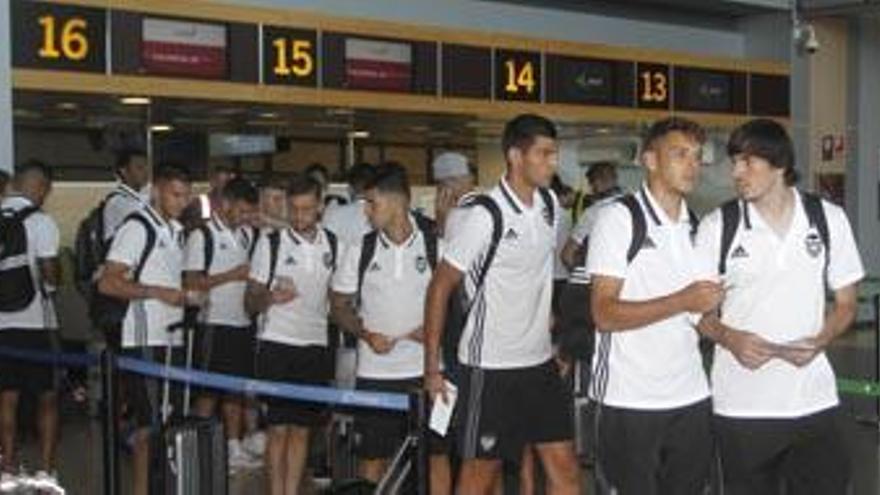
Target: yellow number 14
[(300, 63), (74, 44), (524, 78)]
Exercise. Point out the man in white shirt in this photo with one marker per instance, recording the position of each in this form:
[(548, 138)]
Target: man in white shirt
[(216, 262), (379, 296), (143, 271), (34, 326), (651, 391), (349, 222), (133, 172), (776, 249), (288, 290), (509, 390)]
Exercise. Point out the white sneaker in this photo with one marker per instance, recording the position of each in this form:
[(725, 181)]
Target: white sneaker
[(8, 482), (255, 444), (239, 458), (47, 482)]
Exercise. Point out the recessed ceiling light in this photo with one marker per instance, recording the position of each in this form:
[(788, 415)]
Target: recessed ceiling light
[(268, 115), (160, 128), (67, 105), (359, 134), (134, 100), (340, 112)]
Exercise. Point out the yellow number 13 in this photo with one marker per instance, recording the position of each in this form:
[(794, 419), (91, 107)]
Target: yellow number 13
[(74, 44), (301, 63), (654, 86)]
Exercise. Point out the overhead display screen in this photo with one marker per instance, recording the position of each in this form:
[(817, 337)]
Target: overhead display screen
[(60, 37), (585, 81), (183, 48), (467, 71), (517, 75), (290, 56)]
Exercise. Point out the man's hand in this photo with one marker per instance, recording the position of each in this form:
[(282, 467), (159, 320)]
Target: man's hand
[(284, 291), (701, 297), (417, 335), (380, 344), (435, 385), (749, 349), (172, 297), (802, 352), (239, 273)]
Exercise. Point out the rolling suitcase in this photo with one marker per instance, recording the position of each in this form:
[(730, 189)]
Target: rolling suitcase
[(191, 452)]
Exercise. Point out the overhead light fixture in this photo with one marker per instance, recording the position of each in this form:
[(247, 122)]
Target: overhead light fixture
[(268, 115), (160, 128), (134, 100), (340, 112), (359, 134), (67, 105)]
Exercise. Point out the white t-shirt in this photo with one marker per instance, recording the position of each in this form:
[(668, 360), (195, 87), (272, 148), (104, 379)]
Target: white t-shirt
[(225, 305), (581, 233), (563, 229), (147, 321), (42, 243), (657, 366), (121, 203), (349, 222), (302, 321), (775, 288), (392, 302), (508, 326)]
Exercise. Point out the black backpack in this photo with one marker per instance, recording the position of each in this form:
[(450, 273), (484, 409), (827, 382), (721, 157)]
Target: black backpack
[(459, 307), (90, 249), (18, 289), (368, 248), (107, 312), (275, 241), (732, 212)]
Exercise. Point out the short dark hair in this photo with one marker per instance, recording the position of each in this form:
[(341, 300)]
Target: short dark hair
[(765, 139), (661, 128), (601, 170), (169, 171), (390, 178), (302, 184), (359, 175), (34, 167), (241, 189), (124, 158), (521, 131), (318, 168)]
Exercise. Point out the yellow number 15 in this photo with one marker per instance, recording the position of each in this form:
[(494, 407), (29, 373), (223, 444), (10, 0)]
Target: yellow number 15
[(73, 43), (301, 63)]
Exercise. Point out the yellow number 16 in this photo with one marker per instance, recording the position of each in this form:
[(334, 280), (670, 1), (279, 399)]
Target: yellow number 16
[(73, 43)]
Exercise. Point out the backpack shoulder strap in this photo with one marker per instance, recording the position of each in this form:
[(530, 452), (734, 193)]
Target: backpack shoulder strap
[(368, 249), (334, 247), (429, 234), (22, 214), (639, 225), (730, 218), (816, 216), (274, 238), (549, 203), (694, 221), (486, 201), (149, 244), (208, 246)]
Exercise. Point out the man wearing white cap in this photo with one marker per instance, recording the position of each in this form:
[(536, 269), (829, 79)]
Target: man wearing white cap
[(455, 182)]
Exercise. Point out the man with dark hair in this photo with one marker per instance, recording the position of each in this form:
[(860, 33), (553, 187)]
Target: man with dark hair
[(509, 391), (288, 290), (133, 172), (30, 325), (273, 203), (350, 221), (379, 296), (216, 262), (650, 390), (143, 270), (777, 250)]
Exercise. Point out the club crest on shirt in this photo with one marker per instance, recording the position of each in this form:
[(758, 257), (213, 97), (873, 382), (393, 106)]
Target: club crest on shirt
[(487, 442), (421, 264), (813, 244), (328, 259), (223, 246), (290, 260), (739, 252)]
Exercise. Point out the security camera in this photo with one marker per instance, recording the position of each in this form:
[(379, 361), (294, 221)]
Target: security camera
[(805, 37)]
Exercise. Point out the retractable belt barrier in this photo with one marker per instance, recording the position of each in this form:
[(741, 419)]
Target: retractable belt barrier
[(326, 395)]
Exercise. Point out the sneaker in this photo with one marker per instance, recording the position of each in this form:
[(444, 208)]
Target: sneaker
[(238, 458), (47, 483), (9, 482), (255, 444)]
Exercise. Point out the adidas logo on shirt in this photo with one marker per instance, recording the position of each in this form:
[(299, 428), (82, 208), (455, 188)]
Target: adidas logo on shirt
[(739, 252), (511, 235), (375, 267)]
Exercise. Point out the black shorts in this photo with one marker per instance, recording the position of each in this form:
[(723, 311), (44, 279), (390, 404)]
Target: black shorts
[(500, 411), (142, 395), (647, 452), (27, 376), (808, 455), (301, 365), (380, 433), (225, 349)]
